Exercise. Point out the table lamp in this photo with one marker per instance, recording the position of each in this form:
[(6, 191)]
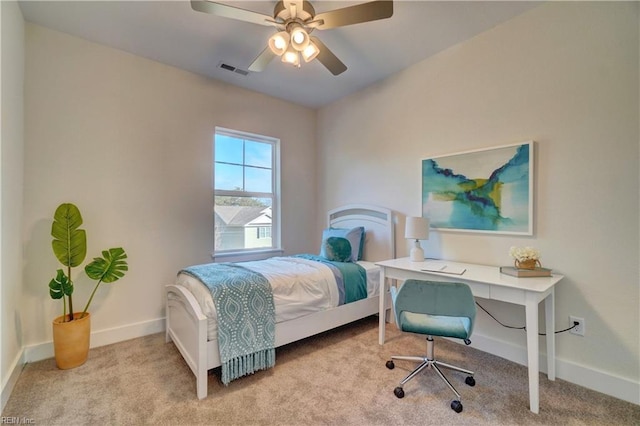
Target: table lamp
[(417, 228)]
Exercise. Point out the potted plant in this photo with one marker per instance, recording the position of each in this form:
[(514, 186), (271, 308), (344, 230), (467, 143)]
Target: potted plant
[(525, 257), (71, 330)]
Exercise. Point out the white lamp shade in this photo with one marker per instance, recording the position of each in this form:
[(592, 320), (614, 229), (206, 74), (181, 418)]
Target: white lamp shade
[(279, 42), (417, 228)]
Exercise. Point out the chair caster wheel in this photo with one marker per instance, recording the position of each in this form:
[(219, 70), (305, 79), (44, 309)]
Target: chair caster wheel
[(470, 381), (456, 406), (390, 365), (399, 392)]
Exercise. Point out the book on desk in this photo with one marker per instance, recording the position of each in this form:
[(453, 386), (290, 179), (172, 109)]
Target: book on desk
[(520, 273), (442, 267)]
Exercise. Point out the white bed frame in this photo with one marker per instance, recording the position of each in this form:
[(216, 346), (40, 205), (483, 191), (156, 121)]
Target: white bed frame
[(187, 325)]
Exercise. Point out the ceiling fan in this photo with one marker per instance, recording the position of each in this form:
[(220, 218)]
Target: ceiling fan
[(295, 20)]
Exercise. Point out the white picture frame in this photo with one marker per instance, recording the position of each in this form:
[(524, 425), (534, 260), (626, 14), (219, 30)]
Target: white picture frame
[(487, 190)]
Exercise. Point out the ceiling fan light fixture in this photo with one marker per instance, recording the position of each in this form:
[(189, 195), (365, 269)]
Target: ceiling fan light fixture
[(295, 20), (279, 42), (310, 52), (299, 37)]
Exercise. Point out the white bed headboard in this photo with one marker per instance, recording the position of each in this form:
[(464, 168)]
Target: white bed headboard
[(378, 224)]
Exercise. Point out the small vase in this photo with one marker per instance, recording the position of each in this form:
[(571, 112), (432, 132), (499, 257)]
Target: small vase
[(527, 264)]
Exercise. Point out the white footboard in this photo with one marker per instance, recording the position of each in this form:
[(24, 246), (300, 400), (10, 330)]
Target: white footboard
[(187, 328)]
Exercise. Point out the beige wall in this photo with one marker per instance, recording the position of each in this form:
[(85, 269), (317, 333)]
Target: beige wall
[(130, 142), (564, 75), (11, 184)]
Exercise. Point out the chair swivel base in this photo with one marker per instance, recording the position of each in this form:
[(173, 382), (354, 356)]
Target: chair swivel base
[(426, 362)]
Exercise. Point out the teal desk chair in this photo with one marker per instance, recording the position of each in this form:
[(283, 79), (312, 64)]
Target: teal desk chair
[(434, 309)]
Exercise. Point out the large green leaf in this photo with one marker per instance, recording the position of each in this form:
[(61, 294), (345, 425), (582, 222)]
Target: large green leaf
[(60, 286), (69, 242), (108, 268)]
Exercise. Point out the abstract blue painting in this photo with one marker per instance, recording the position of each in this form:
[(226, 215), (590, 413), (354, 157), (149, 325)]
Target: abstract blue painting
[(488, 190)]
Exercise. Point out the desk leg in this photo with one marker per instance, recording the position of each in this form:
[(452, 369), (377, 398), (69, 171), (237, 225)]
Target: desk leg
[(550, 320), (382, 314), (531, 311)]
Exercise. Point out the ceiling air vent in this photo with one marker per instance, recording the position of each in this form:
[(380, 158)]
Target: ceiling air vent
[(233, 69)]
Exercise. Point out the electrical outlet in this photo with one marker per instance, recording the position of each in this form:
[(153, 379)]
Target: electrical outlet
[(580, 328)]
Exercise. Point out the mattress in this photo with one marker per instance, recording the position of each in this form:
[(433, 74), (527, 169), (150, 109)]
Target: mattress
[(300, 287)]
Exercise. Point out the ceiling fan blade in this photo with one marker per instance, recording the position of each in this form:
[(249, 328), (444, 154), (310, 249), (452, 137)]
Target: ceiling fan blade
[(328, 59), (263, 59), (365, 12), (226, 11)]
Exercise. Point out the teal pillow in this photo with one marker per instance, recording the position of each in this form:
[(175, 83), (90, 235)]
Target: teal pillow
[(354, 235), (337, 249)]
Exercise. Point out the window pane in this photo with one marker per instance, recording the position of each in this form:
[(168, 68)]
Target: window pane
[(228, 149), (257, 180), (258, 154), (238, 221), (228, 177)]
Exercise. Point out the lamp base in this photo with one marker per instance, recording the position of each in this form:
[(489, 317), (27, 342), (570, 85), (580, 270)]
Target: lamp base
[(416, 254)]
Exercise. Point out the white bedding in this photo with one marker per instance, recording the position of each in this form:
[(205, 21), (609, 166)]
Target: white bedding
[(300, 287)]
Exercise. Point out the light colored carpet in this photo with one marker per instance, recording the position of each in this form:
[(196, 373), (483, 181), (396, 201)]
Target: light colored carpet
[(336, 378)]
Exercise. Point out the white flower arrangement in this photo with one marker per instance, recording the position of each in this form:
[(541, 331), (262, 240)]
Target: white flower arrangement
[(524, 253)]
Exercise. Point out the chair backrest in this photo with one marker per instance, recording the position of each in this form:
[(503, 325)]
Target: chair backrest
[(434, 298)]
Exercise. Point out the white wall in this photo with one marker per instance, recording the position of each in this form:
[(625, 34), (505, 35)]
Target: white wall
[(129, 141), (11, 184), (565, 75)]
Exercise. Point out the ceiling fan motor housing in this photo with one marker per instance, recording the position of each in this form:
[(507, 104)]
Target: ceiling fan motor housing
[(283, 13)]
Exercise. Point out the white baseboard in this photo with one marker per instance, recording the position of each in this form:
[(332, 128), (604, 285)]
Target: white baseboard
[(14, 373), (618, 387), (99, 338)]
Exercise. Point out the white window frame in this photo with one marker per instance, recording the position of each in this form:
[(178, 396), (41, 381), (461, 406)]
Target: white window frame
[(251, 253)]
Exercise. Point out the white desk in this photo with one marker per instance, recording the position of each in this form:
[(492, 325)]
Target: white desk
[(488, 283)]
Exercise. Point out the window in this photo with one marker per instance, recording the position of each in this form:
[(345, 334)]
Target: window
[(245, 197), (264, 232)]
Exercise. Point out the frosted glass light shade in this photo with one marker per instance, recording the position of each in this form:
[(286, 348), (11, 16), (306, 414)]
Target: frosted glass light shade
[(299, 38), (310, 52), (291, 57), (279, 42)]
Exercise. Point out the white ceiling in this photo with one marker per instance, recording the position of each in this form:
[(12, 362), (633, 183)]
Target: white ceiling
[(172, 33)]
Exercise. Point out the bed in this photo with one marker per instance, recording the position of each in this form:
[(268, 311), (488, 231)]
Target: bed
[(191, 326)]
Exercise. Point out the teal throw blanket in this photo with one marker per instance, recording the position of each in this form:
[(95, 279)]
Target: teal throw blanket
[(246, 317)]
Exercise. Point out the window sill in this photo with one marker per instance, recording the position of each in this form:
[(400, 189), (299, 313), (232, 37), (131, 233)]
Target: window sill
[(245, 256)]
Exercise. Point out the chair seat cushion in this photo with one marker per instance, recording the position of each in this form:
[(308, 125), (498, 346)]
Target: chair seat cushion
[(435, 325)]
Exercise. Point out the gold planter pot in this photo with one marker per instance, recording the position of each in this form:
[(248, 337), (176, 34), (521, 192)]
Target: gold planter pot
[(71, 340), (527, 264)]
